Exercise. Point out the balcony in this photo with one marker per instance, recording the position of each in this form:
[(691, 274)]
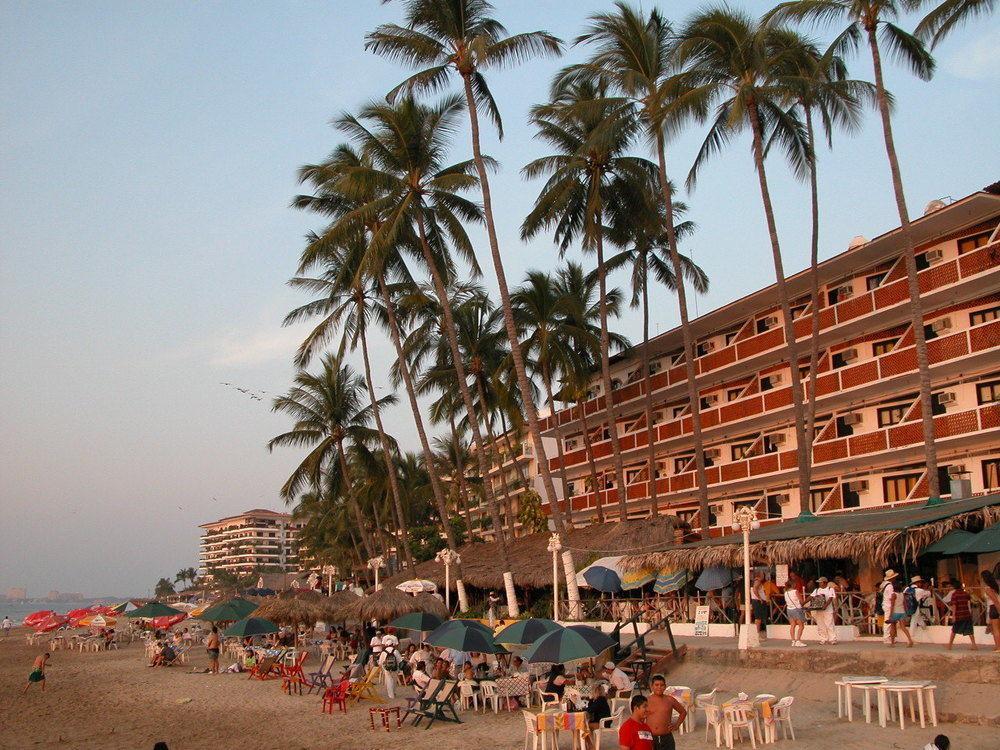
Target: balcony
[(841, 384), (946, 282)]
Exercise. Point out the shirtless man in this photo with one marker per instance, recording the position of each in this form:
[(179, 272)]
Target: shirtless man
[(38, 671), (661, 710), (212, 645)]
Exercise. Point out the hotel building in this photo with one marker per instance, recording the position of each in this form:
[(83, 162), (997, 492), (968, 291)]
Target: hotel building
[(868, 446), (255, 540)]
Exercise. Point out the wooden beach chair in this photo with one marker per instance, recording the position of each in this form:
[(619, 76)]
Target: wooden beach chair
[(421, 700), (321, 679), (440, 707), (180, 657), (267, 668), (367, 687)]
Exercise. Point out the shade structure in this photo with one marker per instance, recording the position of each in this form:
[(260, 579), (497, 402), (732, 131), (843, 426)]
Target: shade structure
[(603, 579), (525, 632), (569, 644), (422, 621), (229, 611), (417, 586), (388, 604), (51, 622), (167, 621), (461, 636), (290, 612), (125, 607), (75, 615), (952, 543), (36, 617), (475, 624), (636, 579), (714, 577), (337, 606), (153, 609), (987, 540), (250, 626), (668, 581)]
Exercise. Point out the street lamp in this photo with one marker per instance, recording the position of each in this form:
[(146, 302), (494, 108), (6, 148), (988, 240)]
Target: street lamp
[(745, 519), (555, 545), (328, 571), (374, 564), (448, 558)]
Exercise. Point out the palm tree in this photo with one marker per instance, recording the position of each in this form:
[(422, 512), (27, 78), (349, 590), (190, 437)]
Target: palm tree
[(186, 574), (163, 588), (869, 20), (740, 60), (591, 177), (329, 412), (407, 143), (950, 15)]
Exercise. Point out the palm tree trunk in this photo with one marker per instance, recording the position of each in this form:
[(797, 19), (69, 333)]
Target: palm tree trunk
[(602, 279), (916, 309), (803, 450), (813, 298), (690, 369), (517, 356), (352, 502), (591, 463), (547, 377), (470, 409), (654, 509), (404, 370), (390, 468)]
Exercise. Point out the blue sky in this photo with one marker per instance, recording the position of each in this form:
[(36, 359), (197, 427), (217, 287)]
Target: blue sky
[(149, 154)]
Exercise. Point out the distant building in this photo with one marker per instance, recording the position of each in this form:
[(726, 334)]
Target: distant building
[(53, 596), (255, 541), (16, 592)]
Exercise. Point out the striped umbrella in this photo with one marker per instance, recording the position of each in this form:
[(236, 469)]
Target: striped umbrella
[(636, 579), (670, 580), (568, 644)]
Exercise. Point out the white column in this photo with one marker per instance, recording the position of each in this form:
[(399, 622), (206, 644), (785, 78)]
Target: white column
[(744, 519), (555, 545)]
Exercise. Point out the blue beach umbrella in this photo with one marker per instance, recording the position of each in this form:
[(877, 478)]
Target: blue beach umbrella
[(568, 644), (714, 577), (670, 580), (603, 579), (524, 632)]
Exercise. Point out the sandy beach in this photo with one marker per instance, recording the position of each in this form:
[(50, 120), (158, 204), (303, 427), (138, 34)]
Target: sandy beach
[(110, 699)]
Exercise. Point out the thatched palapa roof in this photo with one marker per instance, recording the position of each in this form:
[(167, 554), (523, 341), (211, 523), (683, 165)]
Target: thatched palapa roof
[(531, 562), (337, 606), (875, 535), (292, 611), (388, 604)]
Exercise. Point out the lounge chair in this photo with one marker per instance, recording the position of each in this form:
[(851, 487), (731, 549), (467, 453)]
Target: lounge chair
[(266, 669), (439, 707), (180, 657), (415, 704), (321, 679), (367, 687)]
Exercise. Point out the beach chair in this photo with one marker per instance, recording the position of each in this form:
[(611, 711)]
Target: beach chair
[(266, 669), (180, 657), (714, 718), (336, 695), (737, 718), (610, 724), (322, 678), (440, 707), (469, 698), (367, 687), (781, 715), (531, 731), (416, 704), (488, 693), (547, 700)]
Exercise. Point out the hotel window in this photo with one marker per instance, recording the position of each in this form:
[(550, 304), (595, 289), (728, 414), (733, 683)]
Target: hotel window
[(971, 243), (937, 408), (631, 475), (988, 393), (686, 516), (984, 316), (883, 347), (872, 282), (705, 403), (740, 450), (680, 463), (765, 384), (677, 411), (838, 361), (702, 349), (771, 444), (797, 311), (891, 415), (991, 473), (762, 326), (929, 332), (898, 488), (922, 261), (774, 506), (713, 515), (816, 498), (843, 428), (751, 504), (731, 336), (849, 498), (733, 393)]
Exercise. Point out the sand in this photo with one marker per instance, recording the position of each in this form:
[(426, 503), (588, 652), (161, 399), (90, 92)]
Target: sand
[(111, 700)]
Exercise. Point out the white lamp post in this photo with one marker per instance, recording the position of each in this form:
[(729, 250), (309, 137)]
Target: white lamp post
[(555, 545), (328, 571), (447, 558), (374, 564), (745, 519)]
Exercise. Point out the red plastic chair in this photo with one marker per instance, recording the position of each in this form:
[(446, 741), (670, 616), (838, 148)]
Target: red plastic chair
[(336, 695)]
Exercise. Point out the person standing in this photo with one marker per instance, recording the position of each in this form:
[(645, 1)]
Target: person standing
[(662, 708), (635, 733), (492, 613), (961, 610), (375, 645), (919, 593), (794, 601), (6, 625), (824, 615), (389, 659), (37, 673), (213, 646), (894, 610), (759, 606), (992, 594)]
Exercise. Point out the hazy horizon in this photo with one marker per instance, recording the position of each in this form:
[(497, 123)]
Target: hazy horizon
[(150, 157)]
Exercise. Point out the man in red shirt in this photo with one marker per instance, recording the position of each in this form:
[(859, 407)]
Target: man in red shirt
[(961, 610), (635, 733)]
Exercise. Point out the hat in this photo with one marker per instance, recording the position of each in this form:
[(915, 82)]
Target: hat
[(609, 665), (916, 579), (823, 579), (889, 574)]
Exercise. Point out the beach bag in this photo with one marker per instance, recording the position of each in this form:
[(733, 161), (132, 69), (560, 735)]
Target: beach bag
[(816, 602), (878, 602), (910, 603), (391, 665)]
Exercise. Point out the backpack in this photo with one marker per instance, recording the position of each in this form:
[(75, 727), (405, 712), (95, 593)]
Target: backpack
[(910, 602), (390, 665), (878, 600)]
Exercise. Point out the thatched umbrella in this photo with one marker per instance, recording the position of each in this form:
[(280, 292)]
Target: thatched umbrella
[(306, 595), (290, 612), (337, 607), (432, 605), (388, 604)]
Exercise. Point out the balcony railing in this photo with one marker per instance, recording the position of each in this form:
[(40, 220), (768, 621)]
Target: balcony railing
[(892, 293)]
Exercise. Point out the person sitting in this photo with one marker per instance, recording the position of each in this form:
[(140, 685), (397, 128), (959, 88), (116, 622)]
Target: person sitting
[(517, 667), (468, 673), (597, 708), (619, 682), (441, 670), (556, 681), (164, 656), (419, 677)]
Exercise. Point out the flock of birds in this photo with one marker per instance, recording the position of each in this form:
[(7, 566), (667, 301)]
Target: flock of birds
[(255, 395)]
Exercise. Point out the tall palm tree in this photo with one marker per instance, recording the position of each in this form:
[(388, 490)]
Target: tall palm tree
[(870, 20), (407, 143), (591, 176), (329, 412), (740, 59), (635, 55), (950, 15)]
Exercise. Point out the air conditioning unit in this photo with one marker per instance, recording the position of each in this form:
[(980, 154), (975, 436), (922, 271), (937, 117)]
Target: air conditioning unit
[(655, 366), (778, 439), (783, 498), (844, 292), (775, 379), (659, 416), (849, 355), (707, 346), (956, 470), (934, 256), (711, 400), (852, 418), (858, 485), (941, 325), (770, 321), (712, 453), (948, 397)]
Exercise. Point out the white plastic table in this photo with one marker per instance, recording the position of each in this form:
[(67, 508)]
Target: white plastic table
[(844, 686), (920, 689)]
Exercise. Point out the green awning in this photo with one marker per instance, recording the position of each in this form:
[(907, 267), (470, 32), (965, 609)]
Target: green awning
[(154, 609), (987, 540), (952, 543)]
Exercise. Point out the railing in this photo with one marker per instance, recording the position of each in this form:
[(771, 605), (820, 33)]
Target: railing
[(891, 293)]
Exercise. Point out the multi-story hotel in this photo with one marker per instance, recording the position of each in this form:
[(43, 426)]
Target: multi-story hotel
[(257, 540), (516, 474), (868, 445)]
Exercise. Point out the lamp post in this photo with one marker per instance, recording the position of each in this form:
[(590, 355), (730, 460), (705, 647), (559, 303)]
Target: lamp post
[(555, 545), (374, 564), (745, 519), (447, 558), (328, 571)]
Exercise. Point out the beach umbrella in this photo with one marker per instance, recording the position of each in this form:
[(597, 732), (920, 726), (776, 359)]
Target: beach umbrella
[(98, 621), (568, 644), (476, 624), (51, 622), (168, 621), (952, 543), (524, 632), (250, 626), (417, 586), (670, 580), (36, 617), (603, 579), (422, 621), (636, 579), (290, 612), (460, 635), (75, 615), (714, 577), (228, 611), (987, 540), (124, 608), (153, 609)]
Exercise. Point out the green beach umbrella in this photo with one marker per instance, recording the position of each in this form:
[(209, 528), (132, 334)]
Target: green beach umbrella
[(422, 621), (250, 626), (154, 609), (670, 580), (525, 632), (228, 611), (460, 635), (568, 644), (475, 624)]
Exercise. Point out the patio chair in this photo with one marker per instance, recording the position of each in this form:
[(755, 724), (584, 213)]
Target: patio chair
[(688, 723), (700, 702), (547, 700), (336, 695), (266, 669), (366, 687), (531, 731), (416, 704), (737, 718), (440, 707), (714, 718), (468, 696), (610, 724), (321, 679), (781, 715), (759, 711), (488, 692)]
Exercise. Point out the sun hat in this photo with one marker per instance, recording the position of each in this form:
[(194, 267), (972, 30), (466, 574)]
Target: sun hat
[(916, 579), (822, 579), (889, 574), (609, 665)]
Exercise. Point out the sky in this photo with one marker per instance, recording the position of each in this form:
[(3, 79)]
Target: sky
[(148, 155)]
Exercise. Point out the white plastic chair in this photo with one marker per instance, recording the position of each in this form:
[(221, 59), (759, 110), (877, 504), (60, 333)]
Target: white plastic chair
[(467, 696), (737, 718), (688, 723), (610, 724), (759, 717), (547, 700), (531, 729), (700, 702), (488, 692), (781, 714), (714, 718)]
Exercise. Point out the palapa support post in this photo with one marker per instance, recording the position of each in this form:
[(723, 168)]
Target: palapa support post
[(374, 564), (555, 545), (513, 611)]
